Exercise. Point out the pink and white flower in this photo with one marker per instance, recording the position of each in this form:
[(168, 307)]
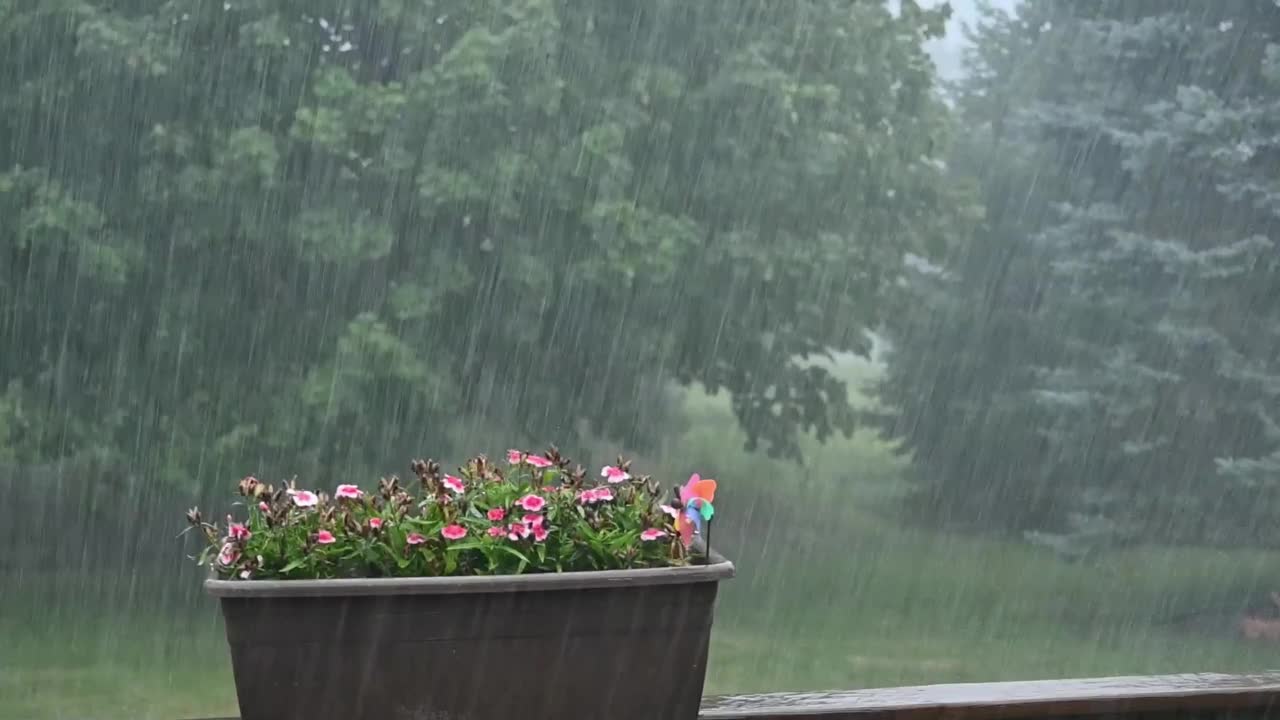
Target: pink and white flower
[(652, 534), (496, 514), (415, 539), (453, 532), (538, 461), (595, 495), (454, 483), (350, 492), (614, 475), (518, 531), (532, 520), (497, 531), (375, 523), (670, 511), (532, 503), (238, 531), (540, 533), (324, 537), (515, 457), (263, 506), (228, 555), (304, 498)]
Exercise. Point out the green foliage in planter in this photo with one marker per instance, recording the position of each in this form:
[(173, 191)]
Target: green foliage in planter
[(534, 515)]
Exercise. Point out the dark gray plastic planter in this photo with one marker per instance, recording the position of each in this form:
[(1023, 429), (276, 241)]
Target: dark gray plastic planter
[(621, 645)]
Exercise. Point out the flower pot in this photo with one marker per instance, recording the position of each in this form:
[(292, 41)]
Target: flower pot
[(612, 644)]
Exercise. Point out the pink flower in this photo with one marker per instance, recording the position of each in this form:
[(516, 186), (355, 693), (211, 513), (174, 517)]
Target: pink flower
[(375, 523), (614, 475), (595, 495), (304, 498), (455, 484), (496, 514), (228, 555), (453, 532), (237, 531), (652, 534), (324, 537), (497, 531), (515, 457), (530, 524), (670, 511), (264, 507), (538, 461), (532, 503), (415, 539), (351, 492)]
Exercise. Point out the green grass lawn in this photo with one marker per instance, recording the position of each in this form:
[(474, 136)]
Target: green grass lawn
[(833, 592), (910, 608), (134, 669)]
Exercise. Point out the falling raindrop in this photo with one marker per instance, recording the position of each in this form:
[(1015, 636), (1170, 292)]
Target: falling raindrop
[(978, 332)]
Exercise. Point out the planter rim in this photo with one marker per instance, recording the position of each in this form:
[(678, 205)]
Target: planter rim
[(716, 570)]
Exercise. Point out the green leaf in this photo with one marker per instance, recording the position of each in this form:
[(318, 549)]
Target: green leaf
[(205, 555), (525, 561)]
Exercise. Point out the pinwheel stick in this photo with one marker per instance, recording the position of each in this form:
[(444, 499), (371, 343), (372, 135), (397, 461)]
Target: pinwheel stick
[(706, 548)]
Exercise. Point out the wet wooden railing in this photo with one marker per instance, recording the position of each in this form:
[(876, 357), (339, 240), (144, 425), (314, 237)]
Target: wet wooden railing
[(1246, 697), (1166, 697)]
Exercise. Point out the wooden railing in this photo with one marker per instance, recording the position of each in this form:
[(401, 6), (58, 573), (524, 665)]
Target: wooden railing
[(1148, 698), (1165, 697)]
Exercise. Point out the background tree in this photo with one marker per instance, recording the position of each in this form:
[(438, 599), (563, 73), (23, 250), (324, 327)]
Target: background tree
[(326, 235), (1101, 362)]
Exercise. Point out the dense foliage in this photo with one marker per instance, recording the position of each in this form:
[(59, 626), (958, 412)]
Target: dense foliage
[(535, 515), (1102, 363), (305, 233)]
